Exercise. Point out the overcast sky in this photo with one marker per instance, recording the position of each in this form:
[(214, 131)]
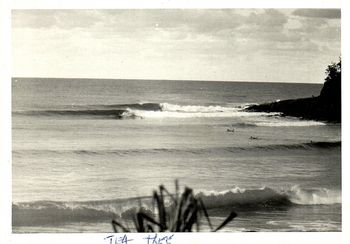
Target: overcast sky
[(277, 45)]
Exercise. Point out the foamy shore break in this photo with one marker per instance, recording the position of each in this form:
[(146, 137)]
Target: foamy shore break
[(325, 107)]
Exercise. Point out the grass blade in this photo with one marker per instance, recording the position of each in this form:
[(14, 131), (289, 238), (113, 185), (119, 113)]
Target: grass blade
[(116, 223), (226, 221), (204, 209)]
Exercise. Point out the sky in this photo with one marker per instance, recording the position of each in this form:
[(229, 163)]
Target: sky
[(272, 45)]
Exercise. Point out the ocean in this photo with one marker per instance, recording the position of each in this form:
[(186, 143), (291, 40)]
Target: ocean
[(86, 150)]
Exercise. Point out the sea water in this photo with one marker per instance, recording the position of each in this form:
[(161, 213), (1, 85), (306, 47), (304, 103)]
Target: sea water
[(85, 150)]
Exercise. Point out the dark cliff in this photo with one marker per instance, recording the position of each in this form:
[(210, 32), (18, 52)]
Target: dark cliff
[(325, 107)]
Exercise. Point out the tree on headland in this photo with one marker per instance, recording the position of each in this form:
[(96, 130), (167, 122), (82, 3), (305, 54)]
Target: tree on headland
[(333, 71), (331, 91)]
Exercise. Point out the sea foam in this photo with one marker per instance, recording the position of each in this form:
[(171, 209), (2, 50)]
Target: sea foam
[(265, 198)]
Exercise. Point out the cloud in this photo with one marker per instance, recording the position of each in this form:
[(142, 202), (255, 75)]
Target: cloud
[(115, 42), (32, 19), (131, 20), (318, 13), (268, 18), (46, 19)]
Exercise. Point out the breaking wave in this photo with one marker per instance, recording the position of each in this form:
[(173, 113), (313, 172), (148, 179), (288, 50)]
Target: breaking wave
[(267, 197), (290, 123), (54, 212), (167, 110), (283, 122), (194, 111), (145, 110)]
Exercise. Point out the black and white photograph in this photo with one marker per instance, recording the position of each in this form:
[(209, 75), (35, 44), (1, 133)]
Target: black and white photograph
[(176, 120)]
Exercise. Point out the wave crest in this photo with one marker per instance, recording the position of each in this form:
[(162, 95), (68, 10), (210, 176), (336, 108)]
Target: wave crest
[(196, 109), (167, 110), (146, 110), (267, 197), (53, 212), (313, 196)]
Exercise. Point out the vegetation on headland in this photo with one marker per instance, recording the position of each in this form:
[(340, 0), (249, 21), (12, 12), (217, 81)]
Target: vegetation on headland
[(181, 214), (325, 107)]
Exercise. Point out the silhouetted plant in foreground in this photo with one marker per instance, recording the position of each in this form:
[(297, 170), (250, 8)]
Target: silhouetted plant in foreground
[(181, 215)]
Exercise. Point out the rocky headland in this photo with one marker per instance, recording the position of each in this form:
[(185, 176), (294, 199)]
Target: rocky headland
[(325, 107)]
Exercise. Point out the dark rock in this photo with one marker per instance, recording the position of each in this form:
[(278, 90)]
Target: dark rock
[(325, 107)]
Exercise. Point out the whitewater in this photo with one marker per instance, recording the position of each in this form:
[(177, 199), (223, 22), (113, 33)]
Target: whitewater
[(86, 151)]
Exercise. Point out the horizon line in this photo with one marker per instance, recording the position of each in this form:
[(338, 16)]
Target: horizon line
[(146, 79)]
